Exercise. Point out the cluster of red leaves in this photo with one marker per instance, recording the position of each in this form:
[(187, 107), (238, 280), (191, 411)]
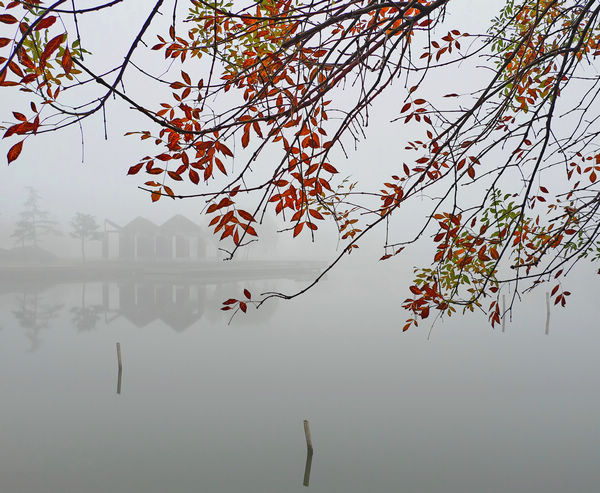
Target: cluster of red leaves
[(235, 304)]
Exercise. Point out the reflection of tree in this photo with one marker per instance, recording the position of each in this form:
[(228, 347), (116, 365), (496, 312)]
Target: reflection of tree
[(85, 317), (34, 315)]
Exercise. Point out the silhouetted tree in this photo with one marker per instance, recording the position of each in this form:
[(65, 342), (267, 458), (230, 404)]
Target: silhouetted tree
[(85, 228), (33, 221)]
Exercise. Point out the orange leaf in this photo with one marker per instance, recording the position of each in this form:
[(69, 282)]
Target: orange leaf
[(44, 23), (316, 214), (194, 177), (246, 216), (415, 290), (51, 47), (330, 168), (67, 61), (134, 169), (8, 19), (298, 228), (245, 139), (14, 152)]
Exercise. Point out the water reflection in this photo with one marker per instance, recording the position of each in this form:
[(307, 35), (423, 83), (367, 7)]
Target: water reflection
[(34, 314), (120, 366), (85, 317), (177, 305), (178, 300), (307, 466)]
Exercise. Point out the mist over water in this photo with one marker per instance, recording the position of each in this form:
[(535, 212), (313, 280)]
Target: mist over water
[(207, 405), (212, 405)]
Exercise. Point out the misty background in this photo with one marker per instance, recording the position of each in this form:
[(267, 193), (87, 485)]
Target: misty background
[(209, 404)]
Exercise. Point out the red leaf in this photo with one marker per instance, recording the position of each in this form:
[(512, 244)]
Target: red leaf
[(220, 165), (14, 152), (298, 228), (8, 19), (316, 214), (51, 47), (330, 168), (243, 306), (15, 69), (245, 139), (4, 42), (246, 216), (44, 23), (134, 169), (194, 177), (247, 294), (67, 61)]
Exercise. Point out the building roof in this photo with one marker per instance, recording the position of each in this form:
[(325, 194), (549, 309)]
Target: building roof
[(180, 224), (140, 225)]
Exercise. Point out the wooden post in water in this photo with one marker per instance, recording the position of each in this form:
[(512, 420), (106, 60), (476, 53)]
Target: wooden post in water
[(309, 444), (309, 453), (119, 356), (547, 313), (120, 363), (307, 466), (503, 312)]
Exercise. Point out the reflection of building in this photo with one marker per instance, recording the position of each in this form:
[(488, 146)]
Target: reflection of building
[(142, 240), (177, 305)]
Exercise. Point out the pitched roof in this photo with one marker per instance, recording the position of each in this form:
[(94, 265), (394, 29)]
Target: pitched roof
[(140, 225), (180, 224)]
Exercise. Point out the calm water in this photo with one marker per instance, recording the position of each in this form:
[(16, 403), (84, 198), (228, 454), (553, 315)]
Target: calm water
[(211, 407)]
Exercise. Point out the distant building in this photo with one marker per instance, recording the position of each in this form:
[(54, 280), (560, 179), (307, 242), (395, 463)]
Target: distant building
[(142, 240)]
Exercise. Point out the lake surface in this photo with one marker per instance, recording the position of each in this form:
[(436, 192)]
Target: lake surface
[(207, 406)]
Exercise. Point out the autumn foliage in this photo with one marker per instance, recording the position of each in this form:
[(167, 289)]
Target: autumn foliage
[(509, 165)]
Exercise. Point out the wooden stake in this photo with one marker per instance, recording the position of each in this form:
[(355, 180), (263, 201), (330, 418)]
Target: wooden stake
[(547, 313), (119, 356), (503, 312), (309, 444), (120, 363)]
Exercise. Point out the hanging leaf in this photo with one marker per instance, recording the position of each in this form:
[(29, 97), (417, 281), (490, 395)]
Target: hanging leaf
[(14, 152), (45, 23), (67, 61), (51, 47)]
